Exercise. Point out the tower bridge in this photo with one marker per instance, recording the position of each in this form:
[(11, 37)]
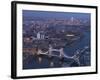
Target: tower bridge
[(62, 55)]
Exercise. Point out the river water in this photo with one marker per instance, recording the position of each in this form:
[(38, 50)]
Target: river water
[(37, 62)]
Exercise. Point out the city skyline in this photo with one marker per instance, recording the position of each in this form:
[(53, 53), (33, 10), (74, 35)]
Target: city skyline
[(56, 39), (56, 15)]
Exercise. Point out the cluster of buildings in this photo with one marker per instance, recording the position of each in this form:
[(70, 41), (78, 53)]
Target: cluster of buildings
[(47, 22), (55, 32), (39, 35), (49, 26)]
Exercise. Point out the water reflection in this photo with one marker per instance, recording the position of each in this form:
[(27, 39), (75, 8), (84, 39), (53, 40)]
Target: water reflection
[(33, 60)]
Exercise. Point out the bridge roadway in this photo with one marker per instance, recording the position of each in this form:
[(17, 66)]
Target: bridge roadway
[(62, 55)]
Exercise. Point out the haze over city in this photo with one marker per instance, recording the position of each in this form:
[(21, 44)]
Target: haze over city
[(52, 39)]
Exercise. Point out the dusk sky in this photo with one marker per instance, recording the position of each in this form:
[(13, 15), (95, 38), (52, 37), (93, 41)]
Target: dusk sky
[(50, 14)]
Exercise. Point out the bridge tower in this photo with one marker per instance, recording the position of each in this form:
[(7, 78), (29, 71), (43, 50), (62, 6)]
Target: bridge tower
[(61, 50), (50, 50)]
